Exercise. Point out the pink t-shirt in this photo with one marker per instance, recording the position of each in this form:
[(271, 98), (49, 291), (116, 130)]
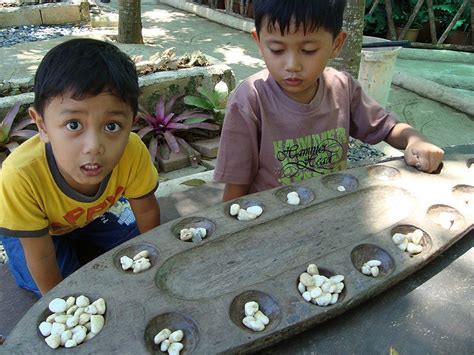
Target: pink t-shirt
[(268, 139)]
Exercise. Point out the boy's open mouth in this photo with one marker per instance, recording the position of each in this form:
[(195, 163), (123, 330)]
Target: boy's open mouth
[(91, 169)]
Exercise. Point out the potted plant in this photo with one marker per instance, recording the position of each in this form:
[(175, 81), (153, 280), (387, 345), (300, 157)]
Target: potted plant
[(402, 11), (445, 12), (375, 22)]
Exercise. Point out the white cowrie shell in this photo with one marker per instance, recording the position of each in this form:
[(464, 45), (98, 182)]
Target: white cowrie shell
[(339, 287), (306, 279), (418, 233), (416, 237), (326, 287), (334, 298), (256, 210), (88, 326), (243, 215), (71, 301), (65, 336), (374, 270), (45, 328), (234, 209), (175, 348), (82, 301), (165, 344), (176, 336), (319, 280), (142, 254), (58, 328), (51, 318), (398, 238), (374, 263), (84, 318), (79, 328), (99, 304), (162, 335), (293, 201), (312, 269), (126, 262), (414, 248), (71, 310), (90, 310), (79, 336), (403, 245), (203, 231), (89, 335), (260, 316), (250, 308), (62, 318), (257, 325), (324, 299), (316, 292), (97, 323), (341, 188), (71, 343), (365, 269), (185, 234), (337, 278), (53, 341), (72, 321), (79, 311), (307, 296), (58, 305), (301, 287)]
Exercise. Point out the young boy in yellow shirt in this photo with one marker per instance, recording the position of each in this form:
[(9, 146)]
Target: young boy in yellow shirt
[(292, 121), (75, 185)]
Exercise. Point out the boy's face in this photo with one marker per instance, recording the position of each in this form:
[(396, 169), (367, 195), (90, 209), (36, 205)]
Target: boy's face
[(87, 137), (296, 60)]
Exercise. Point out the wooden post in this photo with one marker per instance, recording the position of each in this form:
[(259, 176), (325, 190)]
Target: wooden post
[(391, 24), (472, 22), (453, 22), (434, 36), (411, 18)]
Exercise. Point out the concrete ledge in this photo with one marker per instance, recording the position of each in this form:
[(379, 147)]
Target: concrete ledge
[(12, 17), (56, 15), (213, 15)]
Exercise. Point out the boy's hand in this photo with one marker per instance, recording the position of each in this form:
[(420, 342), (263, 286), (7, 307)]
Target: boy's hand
[(424, 156)]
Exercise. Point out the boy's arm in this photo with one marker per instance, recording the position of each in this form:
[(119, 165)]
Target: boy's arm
[(419, 152), (146, 211), (232, 191), (40, 256)]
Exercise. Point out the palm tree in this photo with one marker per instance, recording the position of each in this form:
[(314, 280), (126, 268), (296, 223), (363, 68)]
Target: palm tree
[(130, 22), (349, 58)]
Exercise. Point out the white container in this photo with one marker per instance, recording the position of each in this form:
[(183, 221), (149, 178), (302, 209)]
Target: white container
[(376, 69)]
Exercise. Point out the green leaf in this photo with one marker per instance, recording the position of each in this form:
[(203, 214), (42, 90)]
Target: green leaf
[(193, 182), (393, 351), (198, 102), (195, 120)]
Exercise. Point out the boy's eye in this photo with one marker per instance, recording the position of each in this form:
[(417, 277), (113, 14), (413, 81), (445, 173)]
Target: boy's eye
[(276, 51), (309, 51), (73, 126), (112, 127)]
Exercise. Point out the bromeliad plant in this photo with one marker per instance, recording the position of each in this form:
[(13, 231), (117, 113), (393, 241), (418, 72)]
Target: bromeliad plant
[(214, 100), (11, 132), (163, 125)]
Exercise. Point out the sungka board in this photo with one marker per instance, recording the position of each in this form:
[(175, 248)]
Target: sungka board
[(345, 223)]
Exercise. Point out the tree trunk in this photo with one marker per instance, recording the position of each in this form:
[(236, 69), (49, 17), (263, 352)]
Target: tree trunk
[(349, 58), (130, 22), (472, 22)]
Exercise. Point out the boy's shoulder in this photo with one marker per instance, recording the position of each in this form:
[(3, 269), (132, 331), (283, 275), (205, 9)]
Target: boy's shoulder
[(29, 154)]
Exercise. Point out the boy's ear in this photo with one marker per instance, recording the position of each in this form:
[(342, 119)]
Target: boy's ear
[(257, 40), (35, 116), (338, 44)]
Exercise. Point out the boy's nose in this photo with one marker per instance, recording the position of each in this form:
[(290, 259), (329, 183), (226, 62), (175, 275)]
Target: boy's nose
[(292, 64), (93, 144)]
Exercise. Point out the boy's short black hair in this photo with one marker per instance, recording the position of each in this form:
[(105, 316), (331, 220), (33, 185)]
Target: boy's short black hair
[(86, 67), (311, 14)]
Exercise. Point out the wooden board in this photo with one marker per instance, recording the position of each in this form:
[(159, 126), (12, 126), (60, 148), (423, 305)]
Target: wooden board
[(201, 287)]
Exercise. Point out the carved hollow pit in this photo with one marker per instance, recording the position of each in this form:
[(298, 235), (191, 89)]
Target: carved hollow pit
[(339, 181), (446, 216), (425, 242), (133, 250), (365, 252), (305, 194), (194, 222), (267, 304), (173, 321), (464, 194), (383, 172), (243, 203), (328, 273)]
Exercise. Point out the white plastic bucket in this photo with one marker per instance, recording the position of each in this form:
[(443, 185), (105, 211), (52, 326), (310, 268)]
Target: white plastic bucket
[(376, 69)]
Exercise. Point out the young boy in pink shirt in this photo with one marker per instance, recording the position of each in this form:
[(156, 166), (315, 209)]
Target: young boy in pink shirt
[(292, 121)]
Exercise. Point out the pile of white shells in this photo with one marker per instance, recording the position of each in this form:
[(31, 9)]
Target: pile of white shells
[(319, 289), (194, 234), (371, 268), (293, 198), (243, 214), (74, 321), (446, 220), (170, 341), (254, 318), (139, 263), (3, 254), (341, 188), (409, 242)]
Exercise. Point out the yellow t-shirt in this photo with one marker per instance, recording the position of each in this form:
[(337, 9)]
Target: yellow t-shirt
[(35, 199)]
